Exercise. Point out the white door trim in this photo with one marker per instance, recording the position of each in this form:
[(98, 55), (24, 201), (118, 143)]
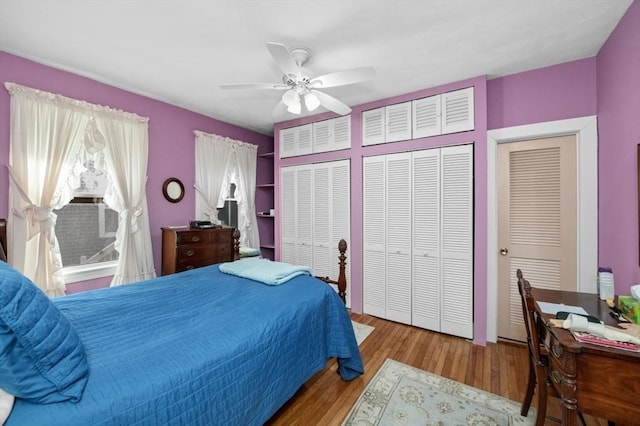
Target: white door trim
[(586, 131)]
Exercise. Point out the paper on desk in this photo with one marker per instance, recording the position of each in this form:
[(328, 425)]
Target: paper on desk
[(554, 308)]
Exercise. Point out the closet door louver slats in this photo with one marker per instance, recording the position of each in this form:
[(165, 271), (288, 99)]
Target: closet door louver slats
[(426, 240), (305, 139), (427, 117), (457, 241), (304, 217), (398, 122), (340, 216), (342, 132), (374, 225), (322, 136), (288, 214), (321, 221), (457, 111), (373, 128)]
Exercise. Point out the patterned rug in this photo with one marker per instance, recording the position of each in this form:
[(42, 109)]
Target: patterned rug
[(403, 395), (361, 331)]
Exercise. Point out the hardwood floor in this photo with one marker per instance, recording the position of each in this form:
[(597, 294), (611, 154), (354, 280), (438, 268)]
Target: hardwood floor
[(500, 368)]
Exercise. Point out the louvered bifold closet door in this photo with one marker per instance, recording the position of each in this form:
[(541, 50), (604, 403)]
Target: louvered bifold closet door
[(305, 139), (457, 240), (321, 220), (398, 122), (321, 136), (457, 111), (373, 128), (304, 216), (341, 133), (426, 239), (427, 117), (340, 218), (287, 142), (288, 214), (373, 244), (398, 195)]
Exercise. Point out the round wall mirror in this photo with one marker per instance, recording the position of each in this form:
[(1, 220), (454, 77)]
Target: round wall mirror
[(173, 190)]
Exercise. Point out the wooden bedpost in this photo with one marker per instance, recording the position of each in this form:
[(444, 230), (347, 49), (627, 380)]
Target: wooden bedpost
[(342, 276), (236, 244)]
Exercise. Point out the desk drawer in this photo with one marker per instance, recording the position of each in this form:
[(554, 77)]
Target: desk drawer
[(204, 237), (558, 367)]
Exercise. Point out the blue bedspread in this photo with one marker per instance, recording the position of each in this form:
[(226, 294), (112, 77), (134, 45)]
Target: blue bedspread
[(199, 348)]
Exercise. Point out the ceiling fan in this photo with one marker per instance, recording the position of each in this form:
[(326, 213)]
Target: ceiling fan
[(300, 87)]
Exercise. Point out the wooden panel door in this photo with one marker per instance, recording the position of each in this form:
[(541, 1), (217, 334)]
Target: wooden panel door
[(374, 236), (537, 215)]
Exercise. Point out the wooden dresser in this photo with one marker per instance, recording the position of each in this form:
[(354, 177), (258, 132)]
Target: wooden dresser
[(185, 248)]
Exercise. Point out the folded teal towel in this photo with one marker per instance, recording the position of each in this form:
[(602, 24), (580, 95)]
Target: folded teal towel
[(264, 270)]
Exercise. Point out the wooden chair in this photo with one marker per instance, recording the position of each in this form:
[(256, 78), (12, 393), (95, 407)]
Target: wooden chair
[(538, 358)]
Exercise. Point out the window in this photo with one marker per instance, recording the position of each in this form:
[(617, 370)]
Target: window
[(86, 228)]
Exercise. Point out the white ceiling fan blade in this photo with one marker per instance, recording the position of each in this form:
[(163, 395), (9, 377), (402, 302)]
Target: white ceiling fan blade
[(283, 58), (342, 78), (331, 103), (251, 86), (279, 110)]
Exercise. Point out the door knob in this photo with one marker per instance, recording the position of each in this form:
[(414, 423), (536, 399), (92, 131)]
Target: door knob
[(504, 251)]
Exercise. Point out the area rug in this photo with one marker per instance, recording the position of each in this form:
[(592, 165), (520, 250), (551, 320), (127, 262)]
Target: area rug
[(403, 395), (361, 331)]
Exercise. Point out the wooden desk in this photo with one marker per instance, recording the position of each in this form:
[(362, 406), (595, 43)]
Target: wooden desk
[(592, 379)]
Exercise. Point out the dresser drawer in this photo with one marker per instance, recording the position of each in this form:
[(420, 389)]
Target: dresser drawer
[(203, 237)]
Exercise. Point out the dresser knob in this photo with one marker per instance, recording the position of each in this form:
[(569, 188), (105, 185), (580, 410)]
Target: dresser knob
[(557, 351), (189, 267), (189, 253), (195, 239)]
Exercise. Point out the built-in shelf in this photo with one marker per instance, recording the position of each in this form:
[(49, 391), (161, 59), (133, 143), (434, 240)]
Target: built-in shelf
[(266, 155), (267, 246), (265, 185), (265, 215)]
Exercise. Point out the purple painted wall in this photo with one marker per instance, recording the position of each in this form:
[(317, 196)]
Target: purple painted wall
[(171, 140), (553, 93), (618, 88)]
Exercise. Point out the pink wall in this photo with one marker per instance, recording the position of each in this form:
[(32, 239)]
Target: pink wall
[(618, 86), (171, 139), (553, 93)]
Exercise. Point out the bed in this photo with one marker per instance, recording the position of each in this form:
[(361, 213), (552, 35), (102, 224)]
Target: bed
[(197, 347)]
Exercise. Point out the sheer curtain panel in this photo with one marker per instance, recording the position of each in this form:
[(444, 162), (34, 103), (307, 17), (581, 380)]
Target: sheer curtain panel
[(126, 151), (45, 134), (216, 158)]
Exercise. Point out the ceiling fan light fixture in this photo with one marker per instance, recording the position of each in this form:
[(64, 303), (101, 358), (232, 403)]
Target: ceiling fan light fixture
[(311, 101), (290, 97), (295, 107)]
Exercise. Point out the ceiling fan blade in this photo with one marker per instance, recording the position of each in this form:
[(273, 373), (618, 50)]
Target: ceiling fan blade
[(342, 78), (283, 58), (331, 103), (279, 110), (244, 86)]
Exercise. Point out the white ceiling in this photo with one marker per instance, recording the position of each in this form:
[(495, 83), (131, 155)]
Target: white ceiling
[(181, 51)]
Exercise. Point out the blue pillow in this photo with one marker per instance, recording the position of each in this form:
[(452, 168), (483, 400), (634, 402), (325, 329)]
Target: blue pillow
[(42, 359)]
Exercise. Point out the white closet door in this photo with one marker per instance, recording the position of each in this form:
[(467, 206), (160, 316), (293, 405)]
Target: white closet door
[(341, 133), (457, 111), (305, 139), (287, 142), (457, 240), (398, 122), (373, 128), (398, 271), (427, 117), (339, 218), (373, 238), (321, 136), (304, 216), (322, 249), (288, 214), (426, 239)]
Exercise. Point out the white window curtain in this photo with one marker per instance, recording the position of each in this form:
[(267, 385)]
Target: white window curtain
[(126, 152), (47, 134), (217, 157), (44, 137)]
